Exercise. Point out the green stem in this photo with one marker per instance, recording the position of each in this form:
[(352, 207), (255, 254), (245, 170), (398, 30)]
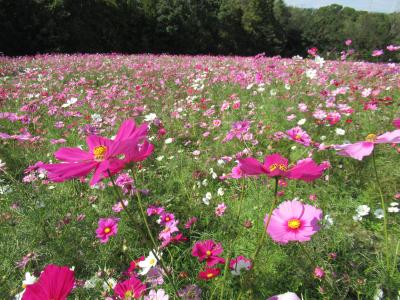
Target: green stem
[(150, 234), (385, 230), (229, 255), (264, 233)]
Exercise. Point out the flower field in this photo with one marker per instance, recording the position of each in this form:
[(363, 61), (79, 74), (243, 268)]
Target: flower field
[(199, 177)]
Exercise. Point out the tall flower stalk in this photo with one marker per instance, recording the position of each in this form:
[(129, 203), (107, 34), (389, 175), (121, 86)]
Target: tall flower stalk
[(264, 233), (385, 229)]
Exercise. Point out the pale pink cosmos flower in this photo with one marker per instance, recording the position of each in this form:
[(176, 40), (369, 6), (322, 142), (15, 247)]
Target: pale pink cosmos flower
[(220, 209), (348, 42), (293, 221), (377, 53), (359, 150), (169, 228), (238, 264), (107, 228)]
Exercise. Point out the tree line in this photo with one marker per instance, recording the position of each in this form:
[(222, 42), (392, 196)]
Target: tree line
[(226, 27)]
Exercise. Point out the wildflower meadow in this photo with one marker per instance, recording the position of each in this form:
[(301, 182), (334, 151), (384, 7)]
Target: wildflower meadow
[(163, 177)]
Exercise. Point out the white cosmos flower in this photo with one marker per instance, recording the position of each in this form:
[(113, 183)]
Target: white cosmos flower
[(149, 262), (311, 73), (150, 117), (169, 140), (301, 122), (206, 199), (340, 131), (69, 102), (363, 210), (220, 192), (393, 209), (379, 213)]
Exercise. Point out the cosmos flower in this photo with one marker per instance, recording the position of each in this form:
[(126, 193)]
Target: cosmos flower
[(319, 273), (208, 250), (55, 283), (148, 263), (107, 228), (276, 165), (103, 155), (209, 274), (359, 150), (156, 295), (285, 296), (396, 123), (293, 221), (298, 135), (128, 289)]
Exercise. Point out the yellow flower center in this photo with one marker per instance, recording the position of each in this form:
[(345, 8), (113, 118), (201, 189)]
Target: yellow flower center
[(107, 230), (99, 152), (297, 137), (24, 286), (128, 295), (167, 219), (281, 167), (294, 223), (371, 138), (209, 275), (208, 252), (152, 261)]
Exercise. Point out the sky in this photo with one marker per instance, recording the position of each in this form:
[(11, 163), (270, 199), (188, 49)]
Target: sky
[(369, 5)]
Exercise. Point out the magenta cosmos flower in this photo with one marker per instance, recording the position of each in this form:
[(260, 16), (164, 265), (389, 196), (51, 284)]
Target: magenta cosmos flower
[(129, 289), (360, 149), (396, 123), (107, 228), (104, 155), (208, 250), (298, 135), (293, 221), (276, 165), (55, 283)]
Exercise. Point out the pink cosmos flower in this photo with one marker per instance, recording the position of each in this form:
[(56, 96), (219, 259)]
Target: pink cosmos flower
[(392, 48), (169, 229), (103, 155), (107, 227), (348, 42), (131, 288), (396, 123), (298, 135), (220, 209), (208, 250), (277, 166), (293, 221), (312, 51), (377, 53), (55, 283), (189, 223), (238, 130), (319, 272), (360, 149)]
